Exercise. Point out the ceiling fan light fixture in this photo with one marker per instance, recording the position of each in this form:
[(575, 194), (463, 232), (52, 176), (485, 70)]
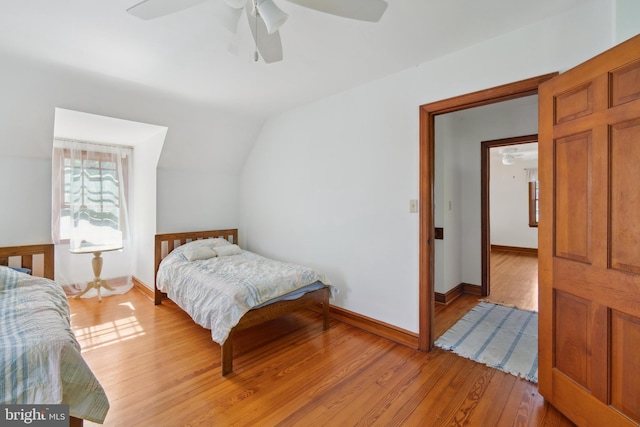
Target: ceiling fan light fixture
[(271, 14), (508, 159)]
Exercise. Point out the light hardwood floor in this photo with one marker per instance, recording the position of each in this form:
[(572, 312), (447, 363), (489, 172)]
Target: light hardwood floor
[(160, 369), (514, 279)]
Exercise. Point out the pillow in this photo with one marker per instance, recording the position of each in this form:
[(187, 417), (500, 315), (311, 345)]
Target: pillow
[(195, 253), (214, 243), (21, 270), (211, 243), (228, 250)]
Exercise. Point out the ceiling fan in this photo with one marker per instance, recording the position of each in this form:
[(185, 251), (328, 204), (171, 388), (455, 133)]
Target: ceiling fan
[(509, 154), (265, 17)]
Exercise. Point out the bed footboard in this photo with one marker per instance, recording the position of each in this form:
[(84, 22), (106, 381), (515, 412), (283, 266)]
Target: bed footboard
[(270, 312)]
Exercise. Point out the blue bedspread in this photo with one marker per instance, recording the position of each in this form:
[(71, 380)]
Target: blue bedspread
[(40, 359)]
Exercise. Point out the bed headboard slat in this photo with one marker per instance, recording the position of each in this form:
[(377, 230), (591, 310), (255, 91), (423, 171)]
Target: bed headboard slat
[(26, 254), (27, 261)]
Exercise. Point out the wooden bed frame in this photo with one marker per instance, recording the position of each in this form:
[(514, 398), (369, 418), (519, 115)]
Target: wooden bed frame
[(26, 254), (165, 243)]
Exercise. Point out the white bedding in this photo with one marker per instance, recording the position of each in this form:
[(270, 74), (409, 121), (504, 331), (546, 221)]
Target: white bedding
[(40, 360), (218, 291)]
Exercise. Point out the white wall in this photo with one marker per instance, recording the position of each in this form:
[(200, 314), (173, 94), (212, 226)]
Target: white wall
[(448, 203), (328, 184), (143, 207), (192, 200), (207, 144), (496, 121), (25, 191), (627, 19), (509, 195)]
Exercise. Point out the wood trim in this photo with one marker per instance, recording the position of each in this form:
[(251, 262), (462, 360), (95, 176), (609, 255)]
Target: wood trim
[(452, 294), (514, 249), (492, 95), (26, 254), (533, 221), (427, 114), (426, 298), (468, 288), (141, 287), (382, 329)]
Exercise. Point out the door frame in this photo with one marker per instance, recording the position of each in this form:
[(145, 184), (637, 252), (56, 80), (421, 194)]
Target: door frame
[(485, 196), (428, 112)]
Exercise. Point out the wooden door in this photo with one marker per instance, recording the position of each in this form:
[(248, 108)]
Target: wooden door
[(589, 241)]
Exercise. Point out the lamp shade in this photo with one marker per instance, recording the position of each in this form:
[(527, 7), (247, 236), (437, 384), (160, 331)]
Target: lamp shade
[(271, 14)]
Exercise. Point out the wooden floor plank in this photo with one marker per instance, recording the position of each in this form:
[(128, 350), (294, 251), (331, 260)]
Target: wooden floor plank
[(485, 403), (161, 369), (514, 279)]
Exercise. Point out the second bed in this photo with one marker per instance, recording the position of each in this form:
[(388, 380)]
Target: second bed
[(226, 289)]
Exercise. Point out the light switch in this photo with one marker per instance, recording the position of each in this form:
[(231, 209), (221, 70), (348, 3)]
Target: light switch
[(413, 206)]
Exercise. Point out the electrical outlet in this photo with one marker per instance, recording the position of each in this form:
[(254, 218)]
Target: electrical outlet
[(413, 206)]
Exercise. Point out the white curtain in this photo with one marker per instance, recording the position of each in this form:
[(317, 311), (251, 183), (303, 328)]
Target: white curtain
[(532, 174), (89, 212)]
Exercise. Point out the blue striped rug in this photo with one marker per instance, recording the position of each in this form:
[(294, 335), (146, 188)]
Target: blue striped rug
[(501, 337)]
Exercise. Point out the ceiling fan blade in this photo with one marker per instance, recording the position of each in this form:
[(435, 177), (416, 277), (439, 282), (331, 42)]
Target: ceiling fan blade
[(150, 9), (229, 17), (362, 10), (269, 45)]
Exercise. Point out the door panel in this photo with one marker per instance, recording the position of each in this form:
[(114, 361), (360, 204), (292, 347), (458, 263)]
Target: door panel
[(625, 84), (625, 204), (589, 239), (574, 103), (573, 197), (625, 335), (572, 337)]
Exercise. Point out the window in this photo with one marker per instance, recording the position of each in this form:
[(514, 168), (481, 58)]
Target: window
[(89, 201), (534, 208)]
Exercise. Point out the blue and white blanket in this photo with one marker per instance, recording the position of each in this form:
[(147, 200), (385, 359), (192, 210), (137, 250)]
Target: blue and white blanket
[(218, 291), (40, 360)]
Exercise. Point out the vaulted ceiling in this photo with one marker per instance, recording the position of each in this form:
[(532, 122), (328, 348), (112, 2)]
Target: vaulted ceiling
[(190, 54)]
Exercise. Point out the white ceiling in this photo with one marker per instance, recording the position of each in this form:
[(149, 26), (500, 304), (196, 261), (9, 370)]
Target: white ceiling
[(188, 53), (527, 151), (80, 126)]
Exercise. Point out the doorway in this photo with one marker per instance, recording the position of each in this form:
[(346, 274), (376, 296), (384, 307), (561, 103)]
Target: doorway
[(509, 188), (428, 112)]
